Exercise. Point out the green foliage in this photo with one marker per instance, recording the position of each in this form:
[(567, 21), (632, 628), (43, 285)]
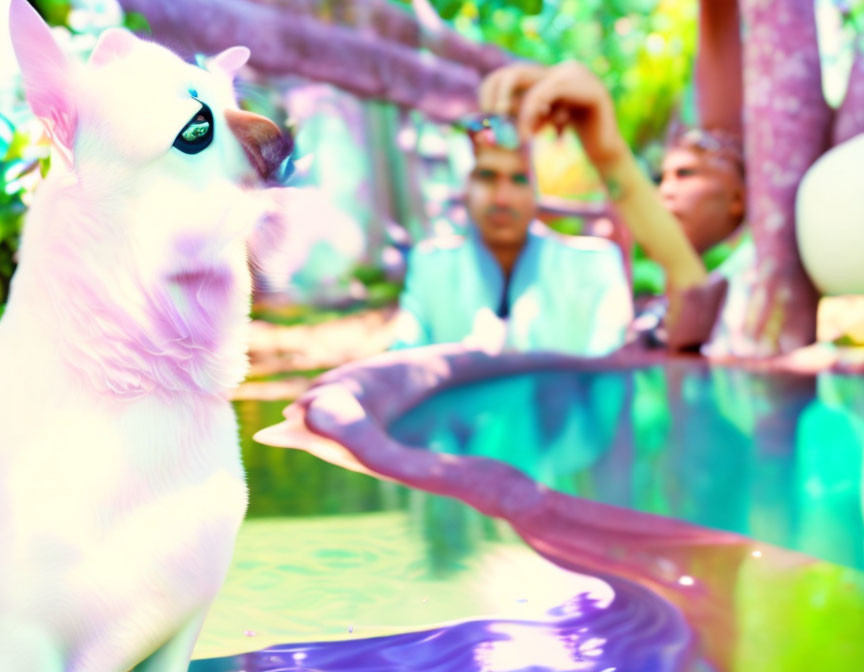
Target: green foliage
[(380, 291), (648, 277), (293, 482), (569, 226), (383, 294), (715, 257), (11, 215), (18, 169), (642, 49), (137, 23), (291, 315), (852, 13), (368, 274), (55, 12), (447, 9)]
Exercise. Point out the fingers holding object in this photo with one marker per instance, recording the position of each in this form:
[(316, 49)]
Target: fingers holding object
[(489, 90), (569, 95), (540, 105), (502, 91)]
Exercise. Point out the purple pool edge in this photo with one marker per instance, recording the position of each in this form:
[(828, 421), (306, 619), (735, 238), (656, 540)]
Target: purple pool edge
[(344, 418)]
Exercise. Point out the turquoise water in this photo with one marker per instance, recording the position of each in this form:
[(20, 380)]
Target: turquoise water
[(775, 457), (340, 571), (328, 558)]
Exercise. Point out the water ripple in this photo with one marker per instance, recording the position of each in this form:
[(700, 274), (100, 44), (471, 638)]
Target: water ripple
[(636, 632)]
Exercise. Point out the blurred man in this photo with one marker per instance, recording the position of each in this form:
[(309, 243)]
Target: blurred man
[(511, 283), (699, 204), (702, 185)]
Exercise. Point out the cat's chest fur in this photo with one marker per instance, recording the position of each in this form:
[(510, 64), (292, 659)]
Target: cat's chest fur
[(128, 507)]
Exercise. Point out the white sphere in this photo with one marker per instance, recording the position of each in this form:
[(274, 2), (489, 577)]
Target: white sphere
[(829, 219)]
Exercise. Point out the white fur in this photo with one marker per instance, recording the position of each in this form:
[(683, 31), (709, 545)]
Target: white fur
[(121, 487)]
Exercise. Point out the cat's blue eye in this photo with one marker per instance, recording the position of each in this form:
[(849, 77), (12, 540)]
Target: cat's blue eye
[(197, 134)]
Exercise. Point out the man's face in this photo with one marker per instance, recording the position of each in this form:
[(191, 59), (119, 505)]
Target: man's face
[(704, 193), (500, 196)]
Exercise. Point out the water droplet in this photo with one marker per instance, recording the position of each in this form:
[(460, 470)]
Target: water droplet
[(249, 633), (686, 580), (350, 628), (756, 554)]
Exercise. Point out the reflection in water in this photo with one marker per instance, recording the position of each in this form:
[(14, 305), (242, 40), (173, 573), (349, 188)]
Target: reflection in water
[(378, 566), (769, 456), (294, 483), (372, 581)]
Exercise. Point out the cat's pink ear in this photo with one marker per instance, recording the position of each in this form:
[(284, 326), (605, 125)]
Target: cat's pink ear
[(113, 43), (229, 61), (46, 75)]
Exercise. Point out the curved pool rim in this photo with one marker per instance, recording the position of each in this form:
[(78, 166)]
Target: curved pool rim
[(344, 419)]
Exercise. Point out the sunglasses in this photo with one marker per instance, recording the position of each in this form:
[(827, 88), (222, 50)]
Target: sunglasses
[(491, 129)]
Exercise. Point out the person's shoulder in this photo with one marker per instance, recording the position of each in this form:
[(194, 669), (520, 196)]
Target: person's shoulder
[(435, 257), (575, 245), (440, 245)]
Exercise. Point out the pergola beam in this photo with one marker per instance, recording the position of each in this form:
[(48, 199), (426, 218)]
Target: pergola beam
[(388, 21), (364, 62)]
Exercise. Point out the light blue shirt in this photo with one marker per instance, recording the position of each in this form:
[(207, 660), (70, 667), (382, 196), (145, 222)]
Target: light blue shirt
[(729, 335), (566, 293)]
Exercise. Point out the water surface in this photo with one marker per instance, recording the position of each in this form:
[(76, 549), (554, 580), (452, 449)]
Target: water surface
[(772, 456)]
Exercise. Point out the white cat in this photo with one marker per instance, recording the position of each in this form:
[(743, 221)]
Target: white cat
[(121, 487)]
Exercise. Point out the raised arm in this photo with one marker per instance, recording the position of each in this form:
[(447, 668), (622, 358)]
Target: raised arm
[(570, 95)]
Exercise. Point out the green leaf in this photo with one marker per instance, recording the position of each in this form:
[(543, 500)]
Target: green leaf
[(530, 7), (137, 23), (368, 274), (447, 9), (383, 293), (648, 277), (55, 12)]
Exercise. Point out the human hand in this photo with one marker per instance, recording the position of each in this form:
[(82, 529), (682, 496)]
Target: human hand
[(502, 90), (570, 95)]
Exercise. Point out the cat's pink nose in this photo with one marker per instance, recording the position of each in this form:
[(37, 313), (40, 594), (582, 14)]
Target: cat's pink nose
[(265, 145)]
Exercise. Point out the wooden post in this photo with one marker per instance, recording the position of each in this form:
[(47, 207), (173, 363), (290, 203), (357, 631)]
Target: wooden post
[(786, 125)]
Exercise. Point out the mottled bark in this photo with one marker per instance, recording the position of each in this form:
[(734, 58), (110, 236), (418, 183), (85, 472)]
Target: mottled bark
[(786, 122), (849, 120), (390, 22), (282, 42)]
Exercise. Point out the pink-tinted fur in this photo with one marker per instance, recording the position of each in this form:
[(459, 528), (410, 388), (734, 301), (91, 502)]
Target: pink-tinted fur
[(190, 318), (121, 486)]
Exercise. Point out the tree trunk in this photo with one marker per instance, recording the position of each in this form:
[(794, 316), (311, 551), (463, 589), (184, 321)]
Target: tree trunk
[(786, 122), (849, 120)]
